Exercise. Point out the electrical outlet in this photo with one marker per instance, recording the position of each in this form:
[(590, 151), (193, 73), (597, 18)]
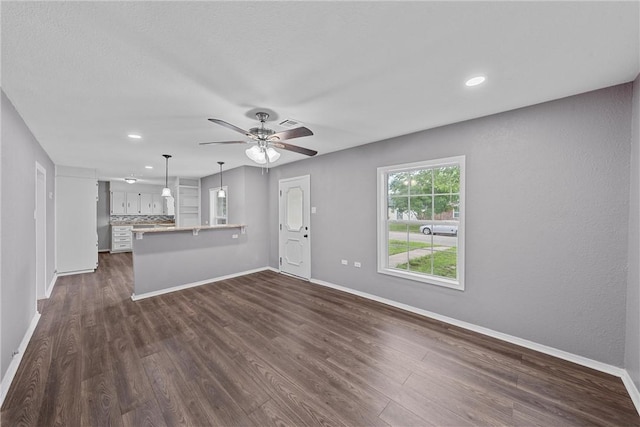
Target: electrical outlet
[(345, 262), (234, 236), (357, 264)]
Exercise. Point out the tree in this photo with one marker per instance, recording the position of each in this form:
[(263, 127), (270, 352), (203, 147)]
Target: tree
[(424, 193)]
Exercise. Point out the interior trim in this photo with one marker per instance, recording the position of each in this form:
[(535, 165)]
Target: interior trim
[(135, 297), (15, 361), (49, 289)]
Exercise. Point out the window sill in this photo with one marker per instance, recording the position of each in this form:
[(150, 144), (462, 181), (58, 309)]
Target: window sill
[(431, 280)]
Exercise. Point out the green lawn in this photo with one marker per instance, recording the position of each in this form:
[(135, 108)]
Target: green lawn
[(414, 228), (444, 264), (399, 246)]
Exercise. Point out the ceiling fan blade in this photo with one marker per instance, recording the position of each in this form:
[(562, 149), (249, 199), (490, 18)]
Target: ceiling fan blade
[(232, 127), (223, 142), (290, 134), (294, 148)]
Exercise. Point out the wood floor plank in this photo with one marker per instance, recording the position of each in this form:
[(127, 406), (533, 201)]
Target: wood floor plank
[(132, 385), (272, 414), (397, 415), (99, 402), (267, 349), (146, 415), (177, 401)]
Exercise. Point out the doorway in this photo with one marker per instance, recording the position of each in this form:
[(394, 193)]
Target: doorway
[(294, 226), (40, 217)]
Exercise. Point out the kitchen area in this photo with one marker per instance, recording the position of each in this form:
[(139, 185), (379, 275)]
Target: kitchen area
[(125, 207)]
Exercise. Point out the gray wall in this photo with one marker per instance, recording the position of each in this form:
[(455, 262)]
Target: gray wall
[(546, 236), (632, 349), (248, 204), (20, 151), (104, 212)]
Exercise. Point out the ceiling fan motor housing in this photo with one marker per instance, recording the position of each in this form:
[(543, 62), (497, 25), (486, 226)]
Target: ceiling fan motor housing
[(262, 133)]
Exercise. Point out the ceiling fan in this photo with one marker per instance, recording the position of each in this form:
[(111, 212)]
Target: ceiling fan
[(265, 140)]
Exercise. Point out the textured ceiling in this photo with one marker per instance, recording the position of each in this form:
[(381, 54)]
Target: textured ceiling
[(85, 74)]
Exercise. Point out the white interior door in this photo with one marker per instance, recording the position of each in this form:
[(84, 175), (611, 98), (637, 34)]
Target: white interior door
[(295, 221)]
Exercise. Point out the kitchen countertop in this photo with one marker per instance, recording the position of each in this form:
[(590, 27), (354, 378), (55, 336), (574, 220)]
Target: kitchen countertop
[(163, 229), (150, 223)]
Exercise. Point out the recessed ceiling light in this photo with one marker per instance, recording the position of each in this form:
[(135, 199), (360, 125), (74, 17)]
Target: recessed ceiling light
[(130, 180), (148, 167), (475, 81), (134, 136)]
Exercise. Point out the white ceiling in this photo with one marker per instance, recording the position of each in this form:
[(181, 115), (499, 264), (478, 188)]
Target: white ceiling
[(85, 74)]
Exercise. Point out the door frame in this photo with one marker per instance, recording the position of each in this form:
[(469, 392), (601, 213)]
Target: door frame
[(306, 218), (40, 225)]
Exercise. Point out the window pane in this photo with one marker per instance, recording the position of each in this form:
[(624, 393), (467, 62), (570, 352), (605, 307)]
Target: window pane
[(294, 209), (398, 208), (422, 182), (221, 207), (446, 179), (444, 206), (398, 183), (421, 207), (397, 248)]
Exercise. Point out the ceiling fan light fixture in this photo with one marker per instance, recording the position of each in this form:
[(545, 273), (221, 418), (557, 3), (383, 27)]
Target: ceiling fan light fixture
[(272, 154), (256, 154)]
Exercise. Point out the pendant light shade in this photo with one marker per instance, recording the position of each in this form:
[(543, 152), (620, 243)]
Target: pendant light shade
[(221, 192), (166, 191)]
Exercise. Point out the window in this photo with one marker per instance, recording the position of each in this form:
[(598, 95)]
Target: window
[(421, 221), (218, 206)]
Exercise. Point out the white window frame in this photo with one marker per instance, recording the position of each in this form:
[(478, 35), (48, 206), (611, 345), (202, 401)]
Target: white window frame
[(382, 221), (213, 200)]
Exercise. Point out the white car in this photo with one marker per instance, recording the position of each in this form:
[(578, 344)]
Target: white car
[(439, 229)]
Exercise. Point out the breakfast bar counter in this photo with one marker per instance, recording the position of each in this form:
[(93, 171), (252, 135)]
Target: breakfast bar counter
[(166, 259)]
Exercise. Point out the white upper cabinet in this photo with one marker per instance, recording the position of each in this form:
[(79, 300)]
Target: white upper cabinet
[(157, 204), (146, 203), (118, 203), (133, 204)]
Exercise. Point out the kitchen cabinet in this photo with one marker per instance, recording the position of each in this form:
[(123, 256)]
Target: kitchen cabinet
[(121, 240), (133, 204), (118, 203), (146, 203), (157, 204)]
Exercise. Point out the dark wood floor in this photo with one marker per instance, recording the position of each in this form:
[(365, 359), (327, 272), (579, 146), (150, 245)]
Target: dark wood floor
[(267, 349)]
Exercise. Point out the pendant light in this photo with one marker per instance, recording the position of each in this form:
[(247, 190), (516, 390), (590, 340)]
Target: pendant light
[(221, 193), (166, 191)]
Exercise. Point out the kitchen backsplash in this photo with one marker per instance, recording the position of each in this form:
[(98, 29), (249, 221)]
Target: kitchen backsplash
[(142, 218)]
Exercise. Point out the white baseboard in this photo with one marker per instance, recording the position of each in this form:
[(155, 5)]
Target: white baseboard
[(15, 362), (632, 389), (135, 297), (71, 273), (561, 354), (51, 285)]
